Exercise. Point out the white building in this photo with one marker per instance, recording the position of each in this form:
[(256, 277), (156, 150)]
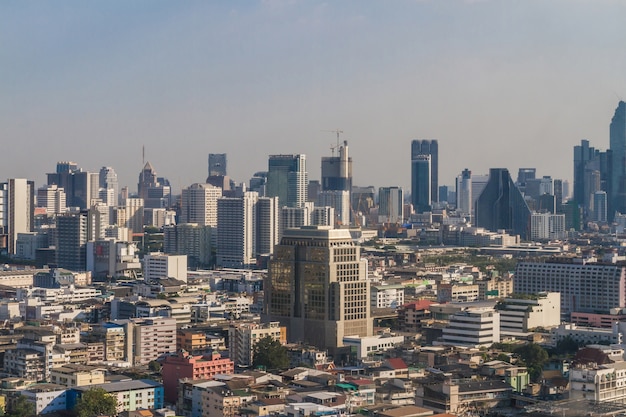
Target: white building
[(520, 315), (387, 296), (599, 383), (547, 226), (390, 205), (473, 327), (236, 231), (47, 398), (52, 198), (16, 209), (267, 224), (160, 265), (323, 216), (370, 345), (199, 204), (588, 335), (464, 192)]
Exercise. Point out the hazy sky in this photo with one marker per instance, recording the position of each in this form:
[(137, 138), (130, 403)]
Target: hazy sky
[(498, 83)]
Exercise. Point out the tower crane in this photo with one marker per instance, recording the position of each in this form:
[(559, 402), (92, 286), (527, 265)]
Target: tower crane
[(332, 148)]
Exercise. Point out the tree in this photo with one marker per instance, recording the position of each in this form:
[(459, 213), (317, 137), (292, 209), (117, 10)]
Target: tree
[(154, 366), (96, 402), (534, 356), (270, 354), (21, 407)]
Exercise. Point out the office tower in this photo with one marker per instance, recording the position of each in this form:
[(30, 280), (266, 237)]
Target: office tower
[(337, 170), (617, 133), (17, 208), (108, 182), (525, 174), (62, 176), (287, 179), (537, 187), (147, 179), (52, 198), (267, 224), (313, 190), (133, 215), (443, 193), (236, 231), (558, 195), (317, 287), (85, 186), (258, 183), (217, 164), (390, 205), (502, 206), (154, 190), (421, 183), (73, 232), (464, 193), (338, 200), (600, 206), (190, 239), (479, 182), (199, 204), (428, 147)]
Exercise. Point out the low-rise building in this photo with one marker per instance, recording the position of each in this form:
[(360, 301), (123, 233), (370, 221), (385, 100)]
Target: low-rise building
[(473, 327), (77, 375), (130, 395), (47, 398), (370, 345)]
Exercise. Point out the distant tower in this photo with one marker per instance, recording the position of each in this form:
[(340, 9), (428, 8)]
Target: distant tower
[(421, 169), (17, 205), (464, 192), (337, 171), (108, 181), (217, 164), (390, 205), (431, 148), (199, 204), (617, 134), (236, 232), (317, 287), (147, 179), (287, 179), (501, 205)]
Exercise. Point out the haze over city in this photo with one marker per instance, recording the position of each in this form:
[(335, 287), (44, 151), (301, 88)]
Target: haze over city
[(499, 84)]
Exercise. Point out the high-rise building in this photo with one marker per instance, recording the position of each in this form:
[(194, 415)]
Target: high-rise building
[(244, 336), (217, 164), (547, 226), (428, 147), (85, 186), (199, 204), (267, 224), (337, 171), (17, 207), (317, 287), (190, 239), (617, 133), (287, 179), (464, 192), (154, 190), (525, 174), (236, 231), (159, 265), (502, 206), (133, 215), (74, 230), (52, 198), (600, 207), (338, 200), (421, 195), (109, 183), (390, 205)]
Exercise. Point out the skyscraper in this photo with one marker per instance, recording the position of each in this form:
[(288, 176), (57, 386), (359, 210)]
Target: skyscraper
[(199, 204), (390, 205), (317, 287), (337, 171), (108, 181), (217, 164), (617, 134), (421, 183), (74, 230), (236, 231), (339, 200), (17, 205), (428, 147), (502, 206), (464, 192), (287, 179)]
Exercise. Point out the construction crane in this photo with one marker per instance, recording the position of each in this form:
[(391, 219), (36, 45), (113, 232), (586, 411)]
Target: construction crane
[(332, 148)]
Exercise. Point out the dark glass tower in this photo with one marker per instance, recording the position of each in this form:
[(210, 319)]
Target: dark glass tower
[(617, 134), (217, 164), (502, 206), (427, 147)]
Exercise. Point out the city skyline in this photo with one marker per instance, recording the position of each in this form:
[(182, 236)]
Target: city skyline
[(498, 84)]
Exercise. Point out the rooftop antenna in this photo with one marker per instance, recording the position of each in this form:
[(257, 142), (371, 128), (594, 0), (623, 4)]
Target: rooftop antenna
[(143, 155), (332, 148)]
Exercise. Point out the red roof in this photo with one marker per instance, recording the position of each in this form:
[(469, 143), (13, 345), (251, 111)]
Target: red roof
[(420, 304), (397, 363)]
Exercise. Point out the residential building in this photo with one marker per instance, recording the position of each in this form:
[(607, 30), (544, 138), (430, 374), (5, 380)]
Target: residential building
[(74, 375), (242, 337), (339, 200), (519, 315), (131, 395), (47, 398), (390, 205), (52, 198), (17, 204), (474, 327), (159, 265), (152, 338), (547, 226), (387, 296), (193, 240), (236, 231), (199, 204)]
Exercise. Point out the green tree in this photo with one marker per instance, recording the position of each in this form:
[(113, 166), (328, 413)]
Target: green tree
[(270, 354), (534, 357), (21, 407), (96, 402), (154, 366), (567, 345)]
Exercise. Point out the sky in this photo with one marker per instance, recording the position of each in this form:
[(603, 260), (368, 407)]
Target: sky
[(511, 84)]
